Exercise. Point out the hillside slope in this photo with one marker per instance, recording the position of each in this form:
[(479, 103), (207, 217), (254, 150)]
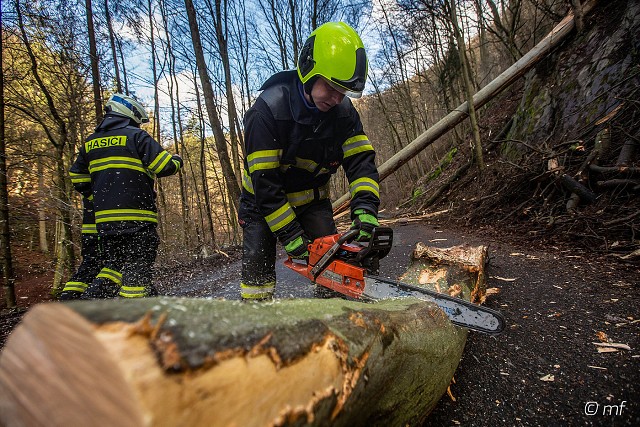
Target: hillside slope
[(565, 166)]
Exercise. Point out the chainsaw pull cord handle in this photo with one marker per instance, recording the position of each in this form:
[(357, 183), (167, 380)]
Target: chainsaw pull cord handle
[(324, 261)]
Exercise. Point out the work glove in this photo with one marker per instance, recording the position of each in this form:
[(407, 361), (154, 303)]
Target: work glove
[(365, 222), (298, 248)]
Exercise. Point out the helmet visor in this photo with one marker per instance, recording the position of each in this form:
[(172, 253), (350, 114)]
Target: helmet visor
[(343, 90)]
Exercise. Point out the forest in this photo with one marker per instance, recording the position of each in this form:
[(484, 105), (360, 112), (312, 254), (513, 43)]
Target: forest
[(535, 155)]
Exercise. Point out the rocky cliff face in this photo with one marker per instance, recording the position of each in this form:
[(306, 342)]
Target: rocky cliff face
[(569, 165), (569, 94)]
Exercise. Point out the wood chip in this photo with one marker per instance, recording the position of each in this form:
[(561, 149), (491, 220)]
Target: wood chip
[(612, 345), (597, 367), (602, 336), (504, 279), (548, 378), (492, 291), (607, 350)]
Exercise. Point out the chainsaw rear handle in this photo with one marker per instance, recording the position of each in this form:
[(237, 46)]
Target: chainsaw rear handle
[(348, 236), (324, 261)]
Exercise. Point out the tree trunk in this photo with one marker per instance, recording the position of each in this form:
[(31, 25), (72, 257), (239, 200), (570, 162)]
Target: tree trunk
[(203, 168), (6, 267), (209, 99), (112, 42), (95, 69), (176, 126), (468, 87), (42, 214), (168, 361), (221, 37)]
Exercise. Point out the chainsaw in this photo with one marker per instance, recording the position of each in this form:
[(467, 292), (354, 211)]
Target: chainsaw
[(351, 268)]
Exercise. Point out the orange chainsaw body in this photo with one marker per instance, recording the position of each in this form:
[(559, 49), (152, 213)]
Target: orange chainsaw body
[(344, 273)]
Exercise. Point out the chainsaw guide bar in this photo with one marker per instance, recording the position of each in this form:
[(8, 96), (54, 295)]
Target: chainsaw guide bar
[(350, 269)]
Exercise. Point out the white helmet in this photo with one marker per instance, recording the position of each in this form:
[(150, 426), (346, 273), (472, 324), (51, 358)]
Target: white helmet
[(127, 106)]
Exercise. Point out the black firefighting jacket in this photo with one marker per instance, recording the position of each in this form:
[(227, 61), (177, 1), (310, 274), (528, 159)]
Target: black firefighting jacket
[(292, 149), (120, 162)]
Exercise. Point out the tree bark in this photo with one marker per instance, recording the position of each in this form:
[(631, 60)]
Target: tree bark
[(112, 42), (574, 186), (8, 277), (169, 361), (468, 88), (95, 69), (42, 204), (221, 144)]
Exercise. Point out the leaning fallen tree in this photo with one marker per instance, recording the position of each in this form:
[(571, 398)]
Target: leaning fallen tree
[(173, 361), (482, 97)]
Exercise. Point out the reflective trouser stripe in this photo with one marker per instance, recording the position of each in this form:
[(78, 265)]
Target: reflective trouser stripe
[(89, 229), (75, 286), (132, 292), (257, 291), (114, 276)]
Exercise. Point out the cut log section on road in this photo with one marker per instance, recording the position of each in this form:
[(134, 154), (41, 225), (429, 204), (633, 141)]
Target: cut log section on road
[(200, 362)]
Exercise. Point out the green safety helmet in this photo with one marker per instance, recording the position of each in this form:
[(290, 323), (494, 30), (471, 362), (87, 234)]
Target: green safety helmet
[(335, 52), (127, 106)]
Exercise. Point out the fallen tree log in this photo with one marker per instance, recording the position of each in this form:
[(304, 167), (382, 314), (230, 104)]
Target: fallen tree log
[(171, 361)]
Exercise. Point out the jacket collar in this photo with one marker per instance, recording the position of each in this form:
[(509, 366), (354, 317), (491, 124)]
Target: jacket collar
[(113, 121), (301, 111)]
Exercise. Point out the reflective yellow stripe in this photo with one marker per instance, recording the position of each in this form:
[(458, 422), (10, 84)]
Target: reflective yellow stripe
[(265, 290), (89, 229), (113, 275), (160, 162), (303, 197), (364, 184), (246, 181), (281, 217), (125, 215), (306, 164), (265, 159), (355, 145), (75, 286), (116, 163), (79, 177), (132, 292)]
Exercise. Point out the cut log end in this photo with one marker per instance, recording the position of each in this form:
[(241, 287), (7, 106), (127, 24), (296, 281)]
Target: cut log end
[(41, 361)]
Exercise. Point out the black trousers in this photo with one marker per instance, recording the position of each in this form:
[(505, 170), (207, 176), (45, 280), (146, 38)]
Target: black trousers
[(92, 262), (128, 266), (259, 243)]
